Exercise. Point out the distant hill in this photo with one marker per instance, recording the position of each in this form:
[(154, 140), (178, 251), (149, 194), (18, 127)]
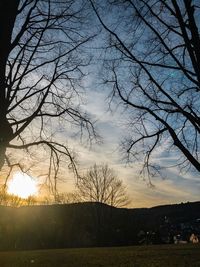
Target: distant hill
[(93, 224)]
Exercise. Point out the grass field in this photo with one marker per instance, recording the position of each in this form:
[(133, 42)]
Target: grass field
[(144, 256)]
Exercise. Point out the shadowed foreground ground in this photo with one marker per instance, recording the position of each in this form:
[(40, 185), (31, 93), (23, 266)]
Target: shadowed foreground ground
[(144, 256)]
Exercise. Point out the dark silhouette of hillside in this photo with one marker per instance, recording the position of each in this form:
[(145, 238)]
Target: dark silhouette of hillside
[(90, 224)]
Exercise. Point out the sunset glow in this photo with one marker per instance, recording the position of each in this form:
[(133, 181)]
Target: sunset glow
[(22, 185)]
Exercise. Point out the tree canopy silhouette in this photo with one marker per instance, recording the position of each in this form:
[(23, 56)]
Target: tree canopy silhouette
[(100, 184), (41, 70), (152, 65)]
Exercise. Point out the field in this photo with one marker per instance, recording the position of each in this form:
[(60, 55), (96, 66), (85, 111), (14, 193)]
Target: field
[(144, 256)]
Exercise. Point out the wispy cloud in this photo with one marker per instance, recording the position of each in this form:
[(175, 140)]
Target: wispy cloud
[(175, 188)]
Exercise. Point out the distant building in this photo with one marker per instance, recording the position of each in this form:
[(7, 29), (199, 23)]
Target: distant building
[(178, 239), (194, 239)]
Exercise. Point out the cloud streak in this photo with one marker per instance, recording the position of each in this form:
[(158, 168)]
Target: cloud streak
[(175, 188)]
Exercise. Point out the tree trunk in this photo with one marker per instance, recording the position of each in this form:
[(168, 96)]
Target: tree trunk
[(8, 13)]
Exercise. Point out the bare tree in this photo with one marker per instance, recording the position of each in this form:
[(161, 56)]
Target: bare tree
[(11, 200), (68, 198), (152, 64), (3, 196), (41, 70), (100, 184)]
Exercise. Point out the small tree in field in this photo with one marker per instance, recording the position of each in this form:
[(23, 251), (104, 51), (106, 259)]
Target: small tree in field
[(100, 184)]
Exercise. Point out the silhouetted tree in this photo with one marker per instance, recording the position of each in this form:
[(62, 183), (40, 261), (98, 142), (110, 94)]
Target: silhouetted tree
[(100, 184), (67, 198), (41, 69), (153, 67), (30, 201), (3, 196), (12, 200)]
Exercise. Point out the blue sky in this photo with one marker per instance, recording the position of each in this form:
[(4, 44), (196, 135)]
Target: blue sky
[(172, 187)]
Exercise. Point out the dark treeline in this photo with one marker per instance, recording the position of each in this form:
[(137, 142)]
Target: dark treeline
[(90, 224)]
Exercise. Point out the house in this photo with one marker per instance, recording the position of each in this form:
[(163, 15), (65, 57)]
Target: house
[(194, 239)]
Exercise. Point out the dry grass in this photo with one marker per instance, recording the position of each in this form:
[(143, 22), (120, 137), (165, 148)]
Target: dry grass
[(144, 256)]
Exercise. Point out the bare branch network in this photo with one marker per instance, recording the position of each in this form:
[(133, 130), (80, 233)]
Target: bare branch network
[(100, 184), (41, 72), (153, 68), (152, 65)]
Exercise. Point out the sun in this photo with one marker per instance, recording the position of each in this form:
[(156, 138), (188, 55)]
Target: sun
[(22, 185)]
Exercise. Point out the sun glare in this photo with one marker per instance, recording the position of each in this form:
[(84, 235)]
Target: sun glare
[(22, 185)]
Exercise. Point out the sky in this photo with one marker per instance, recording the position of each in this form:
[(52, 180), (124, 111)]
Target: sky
[(111, 124), (171, 188)]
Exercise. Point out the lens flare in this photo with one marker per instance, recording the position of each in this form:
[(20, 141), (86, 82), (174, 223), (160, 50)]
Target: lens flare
[(22, 185)]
